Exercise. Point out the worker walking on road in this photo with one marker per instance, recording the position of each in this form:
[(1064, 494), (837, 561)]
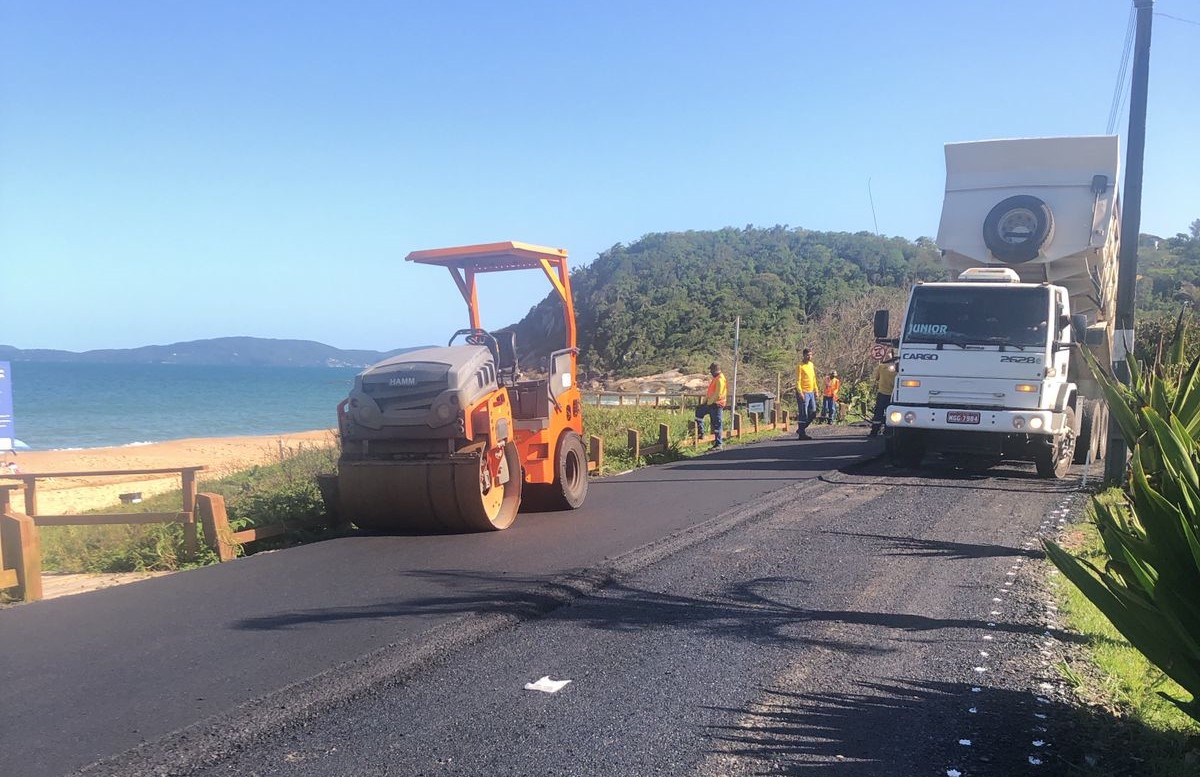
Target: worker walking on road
[(806, 393), (885, 383), (833, 384), (714, 406)]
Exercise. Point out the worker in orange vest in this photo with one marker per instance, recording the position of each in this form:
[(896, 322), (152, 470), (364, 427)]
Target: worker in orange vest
[(714, 406), (833, 384)]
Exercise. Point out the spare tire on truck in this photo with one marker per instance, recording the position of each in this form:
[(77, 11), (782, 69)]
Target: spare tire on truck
[(1017, 227)]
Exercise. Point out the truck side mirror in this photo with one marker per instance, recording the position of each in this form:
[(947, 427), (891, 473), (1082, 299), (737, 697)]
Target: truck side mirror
[(1079, 327), (881, 324)]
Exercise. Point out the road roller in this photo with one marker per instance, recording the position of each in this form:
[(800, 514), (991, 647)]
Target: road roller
[(454, 438)]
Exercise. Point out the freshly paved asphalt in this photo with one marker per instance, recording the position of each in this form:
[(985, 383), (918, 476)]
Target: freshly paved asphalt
[(91, 676)]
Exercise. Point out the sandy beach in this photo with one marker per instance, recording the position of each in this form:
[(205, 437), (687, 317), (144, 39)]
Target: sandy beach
[(219, 455)]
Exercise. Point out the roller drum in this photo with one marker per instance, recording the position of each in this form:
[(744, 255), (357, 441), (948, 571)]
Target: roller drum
[(427, 496)]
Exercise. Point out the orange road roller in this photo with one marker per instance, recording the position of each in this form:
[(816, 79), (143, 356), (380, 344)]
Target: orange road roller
[(453, 439)]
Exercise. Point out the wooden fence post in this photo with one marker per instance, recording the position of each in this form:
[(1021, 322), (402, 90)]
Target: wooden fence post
[(754, 421), (774, 419), (30, 496), (596, 452), (664, 437), (190, 543), (737, 424), (21, 550), (217, 534), (692, 433), (635, 443), (784, 413)]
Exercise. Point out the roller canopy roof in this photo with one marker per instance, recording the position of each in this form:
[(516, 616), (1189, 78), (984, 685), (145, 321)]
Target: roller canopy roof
[(491, 257)]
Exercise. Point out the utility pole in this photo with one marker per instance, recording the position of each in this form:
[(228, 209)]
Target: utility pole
[(737, 330), (1131, 224)]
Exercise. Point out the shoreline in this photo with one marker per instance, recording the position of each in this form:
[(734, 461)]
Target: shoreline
[(218, 455)]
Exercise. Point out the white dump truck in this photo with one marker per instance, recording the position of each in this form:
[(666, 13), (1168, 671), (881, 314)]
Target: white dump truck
[(989, 366)]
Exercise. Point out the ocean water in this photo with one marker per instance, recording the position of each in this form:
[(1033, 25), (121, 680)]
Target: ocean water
[(95, 405)]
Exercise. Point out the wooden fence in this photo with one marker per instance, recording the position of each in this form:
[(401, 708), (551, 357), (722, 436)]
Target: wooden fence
[(20, 546)]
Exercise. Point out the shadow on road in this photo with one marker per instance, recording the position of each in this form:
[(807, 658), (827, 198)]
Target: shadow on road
[(906, 727), (752, 611), (925, 548)]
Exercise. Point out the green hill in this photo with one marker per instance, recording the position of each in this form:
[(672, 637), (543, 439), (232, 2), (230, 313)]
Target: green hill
[(669, 299)]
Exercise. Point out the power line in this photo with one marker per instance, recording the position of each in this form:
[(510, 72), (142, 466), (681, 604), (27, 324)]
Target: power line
[(1177, 18), (1119, 90)]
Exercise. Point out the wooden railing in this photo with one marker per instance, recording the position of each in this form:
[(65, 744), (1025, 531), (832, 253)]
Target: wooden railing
[(20, 546)]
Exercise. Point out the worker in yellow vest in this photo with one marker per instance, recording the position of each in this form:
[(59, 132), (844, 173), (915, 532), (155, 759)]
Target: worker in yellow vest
[(714, 406), (885, 384), (806, 393)]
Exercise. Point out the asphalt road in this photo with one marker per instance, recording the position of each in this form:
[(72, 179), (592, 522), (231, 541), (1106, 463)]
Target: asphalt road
[(770, 609)]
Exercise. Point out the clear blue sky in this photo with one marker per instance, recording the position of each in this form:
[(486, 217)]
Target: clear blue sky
[(182, 170)]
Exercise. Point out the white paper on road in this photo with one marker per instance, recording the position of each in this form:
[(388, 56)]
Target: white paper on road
[(546, 685)]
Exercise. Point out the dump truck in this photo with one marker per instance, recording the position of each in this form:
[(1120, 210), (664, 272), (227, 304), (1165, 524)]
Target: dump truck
[(990, 365), (452, 439)]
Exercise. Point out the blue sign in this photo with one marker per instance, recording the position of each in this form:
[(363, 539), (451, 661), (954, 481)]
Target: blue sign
[(8, 437)]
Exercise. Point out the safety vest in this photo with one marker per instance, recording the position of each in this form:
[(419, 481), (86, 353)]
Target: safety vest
[(716, 390), (832, 386)]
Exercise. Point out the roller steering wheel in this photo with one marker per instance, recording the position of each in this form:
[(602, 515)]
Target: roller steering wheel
[(479, 337)]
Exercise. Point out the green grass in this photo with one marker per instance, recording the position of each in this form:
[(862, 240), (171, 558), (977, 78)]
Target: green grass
[(1117, 677)]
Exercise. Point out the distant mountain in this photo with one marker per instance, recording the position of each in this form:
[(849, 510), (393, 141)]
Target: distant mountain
[(252, 351)]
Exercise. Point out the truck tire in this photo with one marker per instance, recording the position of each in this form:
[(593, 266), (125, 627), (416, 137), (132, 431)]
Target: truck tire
[(570, 486), (905, 449), (1017, 227), (1085, 443), (1054, 461)]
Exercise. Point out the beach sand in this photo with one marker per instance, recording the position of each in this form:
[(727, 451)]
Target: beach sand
[(219, 455)]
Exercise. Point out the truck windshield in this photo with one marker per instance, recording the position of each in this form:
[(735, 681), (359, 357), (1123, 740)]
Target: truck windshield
[(978, 315)]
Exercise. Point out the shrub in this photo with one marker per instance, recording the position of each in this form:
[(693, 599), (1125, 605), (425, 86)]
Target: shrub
[(1151, 535)]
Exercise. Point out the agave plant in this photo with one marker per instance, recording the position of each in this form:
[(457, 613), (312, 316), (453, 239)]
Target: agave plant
[(1150, 586)]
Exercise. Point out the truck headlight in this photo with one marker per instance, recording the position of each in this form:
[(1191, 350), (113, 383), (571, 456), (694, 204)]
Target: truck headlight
[(894, 416), (1036, 423), (1018, 422), (909, 417)]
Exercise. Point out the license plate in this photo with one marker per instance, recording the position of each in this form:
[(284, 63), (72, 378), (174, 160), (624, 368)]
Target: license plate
[(962, 417)]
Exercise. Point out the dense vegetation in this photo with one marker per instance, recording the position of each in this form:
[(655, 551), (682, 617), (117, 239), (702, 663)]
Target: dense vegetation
[(669, 299), (1168, 286)]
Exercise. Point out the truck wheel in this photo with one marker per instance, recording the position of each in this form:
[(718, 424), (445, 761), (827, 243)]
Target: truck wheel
[(905, 450), (1101, 443), (1085, 443), (1017, 227), (1054, 461), (570, 485)]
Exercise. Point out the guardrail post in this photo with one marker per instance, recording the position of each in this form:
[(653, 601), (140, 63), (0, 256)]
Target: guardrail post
[(190, 542), (30, 495), (20, 550), (217, 534), (596, 453), (635, 443)]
